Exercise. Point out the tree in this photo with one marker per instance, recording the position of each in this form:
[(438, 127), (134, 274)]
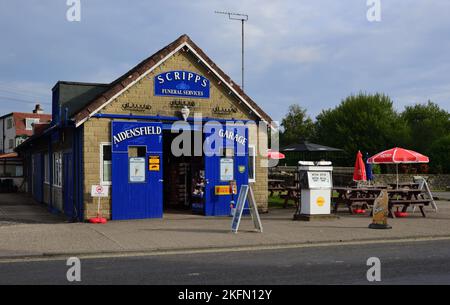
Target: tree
[(366, 122), (440, 155), (426, 123), (296, 125)]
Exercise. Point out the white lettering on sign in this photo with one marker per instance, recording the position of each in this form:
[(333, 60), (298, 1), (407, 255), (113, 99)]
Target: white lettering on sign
[(182, 92), (232, 136), (136, 132), (182, 75)]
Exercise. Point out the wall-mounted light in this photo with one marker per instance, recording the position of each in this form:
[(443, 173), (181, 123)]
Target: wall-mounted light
[(185, 111)]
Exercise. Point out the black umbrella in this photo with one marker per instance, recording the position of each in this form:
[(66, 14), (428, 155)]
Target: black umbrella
[(306, 146)]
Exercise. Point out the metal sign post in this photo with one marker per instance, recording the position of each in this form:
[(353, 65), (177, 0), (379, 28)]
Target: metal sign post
[(99, 191), (243, 196)]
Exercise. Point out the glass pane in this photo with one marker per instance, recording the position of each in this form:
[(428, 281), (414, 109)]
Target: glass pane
[(107, 153), (251, 163), (106, 171)]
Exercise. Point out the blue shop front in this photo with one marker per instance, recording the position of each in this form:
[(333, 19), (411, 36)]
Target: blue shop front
[(142, 165)]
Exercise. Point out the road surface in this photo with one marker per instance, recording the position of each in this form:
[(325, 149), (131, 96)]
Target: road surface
[(406, 263)]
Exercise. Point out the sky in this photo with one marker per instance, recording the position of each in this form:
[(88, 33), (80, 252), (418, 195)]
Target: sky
[(308, 52)]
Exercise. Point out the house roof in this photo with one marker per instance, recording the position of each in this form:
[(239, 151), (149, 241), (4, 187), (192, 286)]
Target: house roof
[(74, 96), (9, 155), (20, 122), (146, 66)]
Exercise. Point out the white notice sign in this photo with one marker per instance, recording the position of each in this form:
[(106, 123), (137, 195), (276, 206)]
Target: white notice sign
[(99, 191), (226, 169), (137, 169), (319, 179)]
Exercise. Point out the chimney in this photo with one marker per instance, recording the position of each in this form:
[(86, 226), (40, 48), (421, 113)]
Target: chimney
[(38, 109)]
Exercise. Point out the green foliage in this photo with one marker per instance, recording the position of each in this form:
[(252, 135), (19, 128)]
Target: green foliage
[(368, 122), (440, 155), (376, 169), (427, 123), (297, 125), (361, 122)]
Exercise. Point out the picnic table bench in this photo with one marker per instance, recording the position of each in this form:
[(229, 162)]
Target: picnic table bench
[(293, 193), (403, 185), (276, 185), (400, 198)]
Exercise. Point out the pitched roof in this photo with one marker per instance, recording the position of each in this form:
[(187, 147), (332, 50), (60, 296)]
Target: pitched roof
[(20, 121), (143, 68), (74, 96)]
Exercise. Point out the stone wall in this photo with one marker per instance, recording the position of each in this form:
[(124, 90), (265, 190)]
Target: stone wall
[(435, 182), (343, 177)]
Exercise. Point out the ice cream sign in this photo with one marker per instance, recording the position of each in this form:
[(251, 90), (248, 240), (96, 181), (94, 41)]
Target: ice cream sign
[(181, 84)]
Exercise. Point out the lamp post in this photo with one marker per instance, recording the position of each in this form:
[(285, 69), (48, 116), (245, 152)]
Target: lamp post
[(243, 18)]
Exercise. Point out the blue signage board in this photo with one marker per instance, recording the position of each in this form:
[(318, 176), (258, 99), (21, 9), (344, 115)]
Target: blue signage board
[(181, 84), (126, 134)]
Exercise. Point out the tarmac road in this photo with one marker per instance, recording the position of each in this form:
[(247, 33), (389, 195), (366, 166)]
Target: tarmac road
[(404, 263)]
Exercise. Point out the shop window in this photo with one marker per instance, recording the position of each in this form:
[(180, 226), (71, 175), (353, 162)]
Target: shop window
[(105, 163), (227, 152), (137, 151), (251, 163), (46, 169), (57, 169)]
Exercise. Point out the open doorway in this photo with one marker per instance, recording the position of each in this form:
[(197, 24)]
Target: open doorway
[(184, 180)]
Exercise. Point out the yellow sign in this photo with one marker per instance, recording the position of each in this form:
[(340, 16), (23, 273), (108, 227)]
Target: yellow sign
[(154, 163), (222, 190), (153, 167), (381, 209), (320, 201)]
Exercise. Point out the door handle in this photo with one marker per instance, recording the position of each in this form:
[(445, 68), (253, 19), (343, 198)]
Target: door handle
[(161, 180)]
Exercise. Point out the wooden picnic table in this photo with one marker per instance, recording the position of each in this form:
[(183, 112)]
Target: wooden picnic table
[(355, 196), (403, 185), (366, 198), (276, 185), (405, 198), (293, 193)]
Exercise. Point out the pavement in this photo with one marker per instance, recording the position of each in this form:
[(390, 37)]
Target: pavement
[(442, 196), (27, 230)]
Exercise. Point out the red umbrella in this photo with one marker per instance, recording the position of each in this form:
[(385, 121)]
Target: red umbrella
[(396, 156), (359, 174), (276, 155)]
